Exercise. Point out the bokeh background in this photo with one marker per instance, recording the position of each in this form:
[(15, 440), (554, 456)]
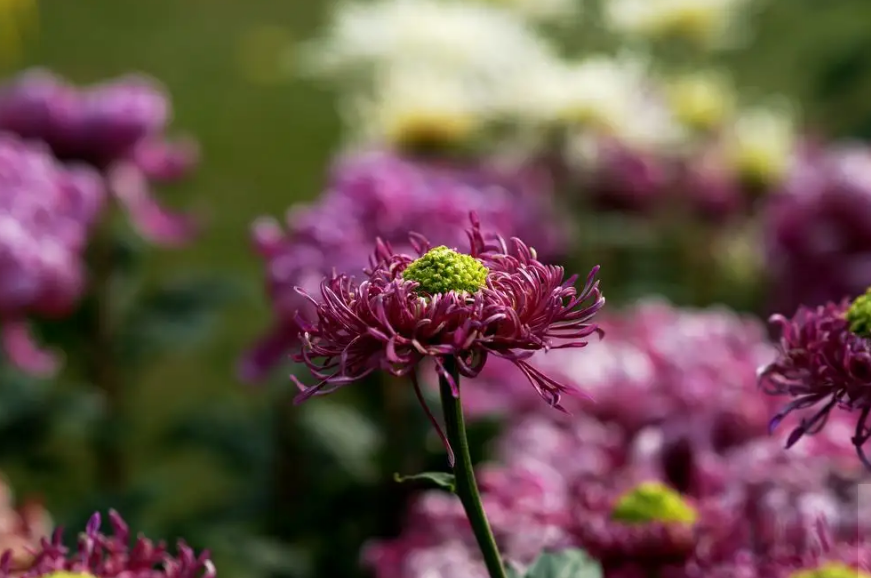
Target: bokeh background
[(267, 135)]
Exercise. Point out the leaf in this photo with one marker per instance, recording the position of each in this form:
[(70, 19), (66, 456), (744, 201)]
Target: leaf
[(566, 564), (440, 479)]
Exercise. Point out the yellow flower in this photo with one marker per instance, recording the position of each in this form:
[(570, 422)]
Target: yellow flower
[(701, 101), (706, 22), (760, 145), (831, 571)]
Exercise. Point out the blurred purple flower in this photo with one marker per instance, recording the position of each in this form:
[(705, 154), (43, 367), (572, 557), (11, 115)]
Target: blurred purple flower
[(111, 556), (680, 405), (46, 213), (379, 195), (117, 127), (818, 229)]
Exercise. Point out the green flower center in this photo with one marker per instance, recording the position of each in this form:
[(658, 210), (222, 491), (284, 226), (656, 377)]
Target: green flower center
[(859, 315), (442, 270), (831, 571), (653, 502), (65, 574)]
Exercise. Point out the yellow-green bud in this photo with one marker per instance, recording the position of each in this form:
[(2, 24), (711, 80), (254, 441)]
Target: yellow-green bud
[(653, 502), (859, 315), (831, 571), (442, 270), (66, 574)]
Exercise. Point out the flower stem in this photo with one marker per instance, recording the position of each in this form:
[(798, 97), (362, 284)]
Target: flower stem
[(466, 486)]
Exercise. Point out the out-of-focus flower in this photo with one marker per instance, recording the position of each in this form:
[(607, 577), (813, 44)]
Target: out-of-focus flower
[(117, 127), (379, 195), (46, 213), (824, 363), (706, 22), (677, 431), (409, 310), (817, 232), (760, 146), (469, 40), (542, 10), (702, 101), (110, 556), (21, 528), (598, 92), (416, 109)]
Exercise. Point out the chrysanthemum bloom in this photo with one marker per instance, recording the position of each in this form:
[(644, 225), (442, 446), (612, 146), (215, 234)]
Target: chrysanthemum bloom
[(818, 229), (498, 300), (100, 555), (824, 365), (118, 128), (380, 195), (46, 213)]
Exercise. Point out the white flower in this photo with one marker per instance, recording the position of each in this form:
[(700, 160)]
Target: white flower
[(412, 106), (462, 38), (761, 143), (542, 10), (708, 22)]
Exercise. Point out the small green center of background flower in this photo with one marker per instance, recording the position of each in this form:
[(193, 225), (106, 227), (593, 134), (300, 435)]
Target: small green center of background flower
[(831, 571), (859, 315), (442, 270), (653, 502), (65, 574)]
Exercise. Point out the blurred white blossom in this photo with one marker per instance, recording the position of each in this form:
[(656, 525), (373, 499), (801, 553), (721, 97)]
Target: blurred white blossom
[(462, 38), (413, 106), (707, 22), (542, 10)]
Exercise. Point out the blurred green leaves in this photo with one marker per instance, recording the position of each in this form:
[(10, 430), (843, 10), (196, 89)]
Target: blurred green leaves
[(566, 564)]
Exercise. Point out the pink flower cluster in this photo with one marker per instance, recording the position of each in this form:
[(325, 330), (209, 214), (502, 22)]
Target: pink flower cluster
[(374, 195), (675, 400), (46, 213), (64, 152), (118, 127)]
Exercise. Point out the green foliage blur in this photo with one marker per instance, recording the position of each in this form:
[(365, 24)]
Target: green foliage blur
[(203, 445)]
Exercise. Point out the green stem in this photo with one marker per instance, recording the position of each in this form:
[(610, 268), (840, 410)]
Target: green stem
[(466, 486)]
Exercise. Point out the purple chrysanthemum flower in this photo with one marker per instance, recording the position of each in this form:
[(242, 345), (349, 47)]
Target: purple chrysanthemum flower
[(818, 229), (373, 195), (46, 213), (111, 556), (117, 127), (824, 365), (499, 300)]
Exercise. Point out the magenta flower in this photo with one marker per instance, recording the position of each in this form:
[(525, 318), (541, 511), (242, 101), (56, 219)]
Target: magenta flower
[(373, 194), (118, 128), (498, 300), (46, 213), (818, 229), (111, 556), (823, 365)]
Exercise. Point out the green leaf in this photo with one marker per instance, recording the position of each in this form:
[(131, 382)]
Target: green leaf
[(439, 479), (565, 564)]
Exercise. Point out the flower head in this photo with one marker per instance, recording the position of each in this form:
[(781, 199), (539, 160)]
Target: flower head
[(653, 502), (117, 127), (47, 211), (383, 322), (824, 366), (379, 195), (110, 556)]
